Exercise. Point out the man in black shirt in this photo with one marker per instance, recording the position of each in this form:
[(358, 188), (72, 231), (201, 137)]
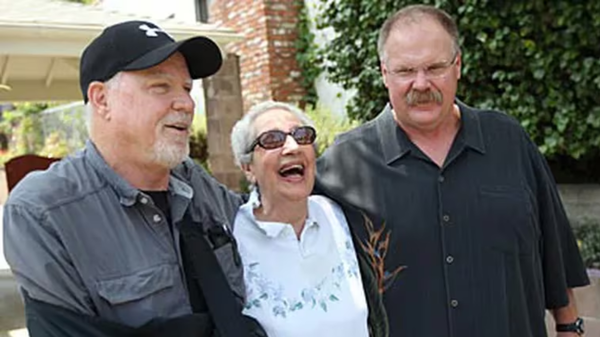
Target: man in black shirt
[(468, 201)]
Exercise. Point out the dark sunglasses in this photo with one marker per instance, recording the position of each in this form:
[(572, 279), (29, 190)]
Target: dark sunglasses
[(272, 139)]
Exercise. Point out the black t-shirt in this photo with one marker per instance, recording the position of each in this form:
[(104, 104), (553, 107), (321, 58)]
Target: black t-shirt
[(161, 200)]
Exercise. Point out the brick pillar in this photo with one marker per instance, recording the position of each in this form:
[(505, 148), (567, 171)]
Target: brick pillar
[(267, 53), (223, 99)]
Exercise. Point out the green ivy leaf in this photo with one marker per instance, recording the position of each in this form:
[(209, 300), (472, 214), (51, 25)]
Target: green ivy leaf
[(538, 63)]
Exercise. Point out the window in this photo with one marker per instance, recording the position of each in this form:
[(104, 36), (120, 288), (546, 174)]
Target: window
[(202, 11)]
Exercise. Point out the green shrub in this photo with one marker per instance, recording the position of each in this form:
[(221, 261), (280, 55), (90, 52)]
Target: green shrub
[(328, 125), (588, 238), (55, 146), (23, 128), (536, 60), (199, 141)]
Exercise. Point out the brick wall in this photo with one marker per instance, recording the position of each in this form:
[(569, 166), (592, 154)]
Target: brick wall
[(267, 55), (223, 98)]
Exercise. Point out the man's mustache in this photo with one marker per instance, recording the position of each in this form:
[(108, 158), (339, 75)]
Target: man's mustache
[(415, 97)]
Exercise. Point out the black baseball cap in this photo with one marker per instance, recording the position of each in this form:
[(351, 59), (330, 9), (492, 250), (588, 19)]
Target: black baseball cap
[(137, 45)]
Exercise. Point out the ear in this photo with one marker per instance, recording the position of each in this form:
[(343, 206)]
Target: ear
[(247, 169), (97, 97)]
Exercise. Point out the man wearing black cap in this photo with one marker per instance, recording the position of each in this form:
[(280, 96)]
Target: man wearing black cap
[(128, 236)]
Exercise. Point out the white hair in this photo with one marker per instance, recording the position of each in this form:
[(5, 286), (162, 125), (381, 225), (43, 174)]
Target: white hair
[(243, 132), (89, 108)]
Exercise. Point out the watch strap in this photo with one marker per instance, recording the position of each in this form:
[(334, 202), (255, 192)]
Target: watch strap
[(576, 327)]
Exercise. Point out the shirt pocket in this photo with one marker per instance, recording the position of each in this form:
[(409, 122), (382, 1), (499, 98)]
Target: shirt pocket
[(506, 219), (132, 298)]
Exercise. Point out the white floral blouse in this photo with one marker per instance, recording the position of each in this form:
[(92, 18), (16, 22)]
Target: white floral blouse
[(308, 287)]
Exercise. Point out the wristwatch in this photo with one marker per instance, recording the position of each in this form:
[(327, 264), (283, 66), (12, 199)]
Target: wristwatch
[(576, 327)]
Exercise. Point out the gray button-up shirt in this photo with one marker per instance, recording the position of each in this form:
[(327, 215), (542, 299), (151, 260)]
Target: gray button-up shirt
[(81, 237)]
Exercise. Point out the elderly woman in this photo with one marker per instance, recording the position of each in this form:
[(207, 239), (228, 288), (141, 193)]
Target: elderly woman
[(303, 273)]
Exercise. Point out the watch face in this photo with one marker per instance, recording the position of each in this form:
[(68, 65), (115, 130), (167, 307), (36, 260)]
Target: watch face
[(580, 325)]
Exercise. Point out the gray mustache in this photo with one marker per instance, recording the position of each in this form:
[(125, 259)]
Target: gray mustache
[(178, 117), (415, 97)]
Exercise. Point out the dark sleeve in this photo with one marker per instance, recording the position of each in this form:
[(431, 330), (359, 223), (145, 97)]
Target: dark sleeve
[(377, 319), (346, 171), (46, 320), (561, 260), (328, 177)]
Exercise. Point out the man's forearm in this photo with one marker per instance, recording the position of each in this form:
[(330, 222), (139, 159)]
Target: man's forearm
[(566, 315)]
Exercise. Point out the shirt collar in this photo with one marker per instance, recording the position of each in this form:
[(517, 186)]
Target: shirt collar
[(270, 228), (471, 127), (128, 194), (395, 143)]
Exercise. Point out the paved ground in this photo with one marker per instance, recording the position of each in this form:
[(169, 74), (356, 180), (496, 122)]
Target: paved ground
[(11, 306), (3, 264)]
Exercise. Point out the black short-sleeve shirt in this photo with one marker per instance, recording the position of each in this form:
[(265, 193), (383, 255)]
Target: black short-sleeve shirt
[(485, 238)]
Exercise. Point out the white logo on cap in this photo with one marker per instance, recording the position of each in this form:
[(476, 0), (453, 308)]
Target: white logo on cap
[(151, 32)]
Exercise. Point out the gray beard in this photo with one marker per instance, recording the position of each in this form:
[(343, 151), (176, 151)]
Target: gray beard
[(169, 155)]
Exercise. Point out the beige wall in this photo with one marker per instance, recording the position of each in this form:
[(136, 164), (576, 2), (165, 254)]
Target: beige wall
[(588, 304), (582, 202)]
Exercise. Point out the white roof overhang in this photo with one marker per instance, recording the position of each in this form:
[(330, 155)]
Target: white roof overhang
[(41, 41)]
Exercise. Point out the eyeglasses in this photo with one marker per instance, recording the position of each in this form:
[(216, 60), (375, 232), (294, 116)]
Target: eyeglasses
[(433, 71), (272, 139)]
